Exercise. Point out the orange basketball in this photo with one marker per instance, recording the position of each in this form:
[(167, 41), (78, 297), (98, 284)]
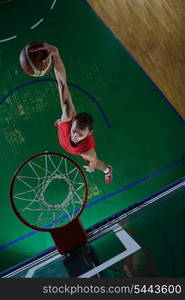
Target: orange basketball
[(33, 62)]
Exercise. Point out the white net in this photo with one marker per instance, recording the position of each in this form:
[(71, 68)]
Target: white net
[(49, 191)]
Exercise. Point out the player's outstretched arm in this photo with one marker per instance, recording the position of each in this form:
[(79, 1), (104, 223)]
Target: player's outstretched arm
[(68, 109), (91, 157), (95, 163)]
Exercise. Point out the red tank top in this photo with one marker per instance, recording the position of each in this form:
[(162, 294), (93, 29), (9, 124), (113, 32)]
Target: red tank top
[(64, 129)]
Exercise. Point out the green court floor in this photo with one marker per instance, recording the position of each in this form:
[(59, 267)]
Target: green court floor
[(136, 129)]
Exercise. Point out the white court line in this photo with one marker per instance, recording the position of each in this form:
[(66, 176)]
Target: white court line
[(130, 245), (32, 27), (53, 4), (31, 272), (8, 39), (30, 265), (128, 242), (36, 24)]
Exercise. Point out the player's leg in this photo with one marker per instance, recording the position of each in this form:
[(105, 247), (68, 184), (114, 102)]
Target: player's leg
[(107, 170)]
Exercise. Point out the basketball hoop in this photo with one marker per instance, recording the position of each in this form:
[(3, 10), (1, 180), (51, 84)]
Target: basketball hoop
[(48, 193)]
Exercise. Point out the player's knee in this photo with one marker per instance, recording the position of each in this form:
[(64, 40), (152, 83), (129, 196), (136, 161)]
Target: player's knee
[(98, 162)]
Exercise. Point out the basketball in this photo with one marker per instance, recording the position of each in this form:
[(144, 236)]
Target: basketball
[(35, 63)]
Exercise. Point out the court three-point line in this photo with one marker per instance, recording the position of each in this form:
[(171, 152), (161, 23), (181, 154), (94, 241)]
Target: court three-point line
[(36, 24), (8, 39), (53, 4)]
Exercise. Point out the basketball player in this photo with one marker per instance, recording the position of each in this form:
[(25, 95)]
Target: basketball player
[(75, 129)]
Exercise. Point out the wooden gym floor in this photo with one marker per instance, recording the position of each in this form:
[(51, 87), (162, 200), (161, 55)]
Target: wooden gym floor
[(153, 32)]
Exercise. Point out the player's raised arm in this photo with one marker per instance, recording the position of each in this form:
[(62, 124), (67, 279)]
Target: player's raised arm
[(68, 110), (58, 63)]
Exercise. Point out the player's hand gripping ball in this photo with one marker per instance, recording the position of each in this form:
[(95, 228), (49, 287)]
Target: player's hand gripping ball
[(35, 61)]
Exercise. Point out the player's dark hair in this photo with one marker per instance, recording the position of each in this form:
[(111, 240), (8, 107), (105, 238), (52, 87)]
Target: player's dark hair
[(84, 120)]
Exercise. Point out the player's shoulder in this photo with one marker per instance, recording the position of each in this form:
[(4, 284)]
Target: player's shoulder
[(90, 141), (63, 120), (91, 137)]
